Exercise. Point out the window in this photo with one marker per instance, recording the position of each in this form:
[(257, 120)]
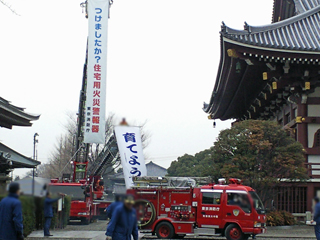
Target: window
[(211, 198), (316, 141), (241, 200), (76, 192), (257, 204)]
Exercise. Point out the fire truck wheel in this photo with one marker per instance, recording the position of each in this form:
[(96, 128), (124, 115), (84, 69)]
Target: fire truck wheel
[(233, 232), (164, 230)]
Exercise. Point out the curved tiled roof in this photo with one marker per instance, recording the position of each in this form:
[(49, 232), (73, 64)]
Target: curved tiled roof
[(301, 32), (11, 115), (305, 5), (18, 160)]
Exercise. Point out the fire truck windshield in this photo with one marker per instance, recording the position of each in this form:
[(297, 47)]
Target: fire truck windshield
[(257, 203), (75, 192)]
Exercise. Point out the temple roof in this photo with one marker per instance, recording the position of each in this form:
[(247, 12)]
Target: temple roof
[(18, 160), (283, 9), (291, 42), (301, 32), (11, 115), (305, 5)]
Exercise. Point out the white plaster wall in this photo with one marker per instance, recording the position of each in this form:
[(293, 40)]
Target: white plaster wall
[(314, 159), (312, 128), (314, 110), (316, 93)]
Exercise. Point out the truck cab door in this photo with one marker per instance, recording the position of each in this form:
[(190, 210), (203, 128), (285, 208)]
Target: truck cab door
[(209, 211), (239, 208)]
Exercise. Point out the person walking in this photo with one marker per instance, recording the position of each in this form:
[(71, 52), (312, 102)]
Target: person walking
[(316, 217), (113, 206), (123, 223), (11, 226), (48, 213)]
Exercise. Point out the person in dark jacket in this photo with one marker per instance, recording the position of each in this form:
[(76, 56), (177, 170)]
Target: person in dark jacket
[(123, 223), (316, 217), (48, 213), (11, 227), (112, 206)]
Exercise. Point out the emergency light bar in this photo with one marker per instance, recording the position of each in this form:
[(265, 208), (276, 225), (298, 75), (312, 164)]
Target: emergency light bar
[(235, 181)]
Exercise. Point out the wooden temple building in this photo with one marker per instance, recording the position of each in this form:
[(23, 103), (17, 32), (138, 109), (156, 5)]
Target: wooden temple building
[(10, 159), (272, 72)]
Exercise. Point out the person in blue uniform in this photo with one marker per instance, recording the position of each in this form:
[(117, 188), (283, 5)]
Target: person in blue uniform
[(11, 226), (123, 223), (112, 206), (316, 217), (48, 213)]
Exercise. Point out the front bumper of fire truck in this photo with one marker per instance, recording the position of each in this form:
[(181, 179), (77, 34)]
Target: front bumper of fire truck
[(257, 231), (259, 228)]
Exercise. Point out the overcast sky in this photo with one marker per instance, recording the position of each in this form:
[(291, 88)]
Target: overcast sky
[(163, 57)]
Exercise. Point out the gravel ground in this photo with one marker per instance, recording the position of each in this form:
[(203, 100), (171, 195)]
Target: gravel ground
[(273, 233)]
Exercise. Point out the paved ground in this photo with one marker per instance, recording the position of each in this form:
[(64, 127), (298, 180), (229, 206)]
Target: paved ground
[(96, 231)]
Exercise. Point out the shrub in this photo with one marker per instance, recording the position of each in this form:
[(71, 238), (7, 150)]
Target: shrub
[(280, 218), (28, 212), (39, 203), (66, 210)]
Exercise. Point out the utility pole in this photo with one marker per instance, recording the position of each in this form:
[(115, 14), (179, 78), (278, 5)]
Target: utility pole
[(35, 141)]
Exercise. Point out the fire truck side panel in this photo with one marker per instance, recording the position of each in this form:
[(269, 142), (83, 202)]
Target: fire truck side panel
[(173, 206), (210, 210), (183, 227)]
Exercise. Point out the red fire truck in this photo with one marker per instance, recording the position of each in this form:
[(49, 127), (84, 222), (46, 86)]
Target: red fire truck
[(86, 187), (234, 211)]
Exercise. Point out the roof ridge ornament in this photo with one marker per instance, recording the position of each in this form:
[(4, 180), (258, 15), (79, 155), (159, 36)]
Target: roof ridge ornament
[(247, 27), (223, 27)]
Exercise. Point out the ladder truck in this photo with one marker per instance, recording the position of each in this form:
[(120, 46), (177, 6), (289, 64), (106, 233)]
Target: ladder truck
[(87, 191), (86, 186)]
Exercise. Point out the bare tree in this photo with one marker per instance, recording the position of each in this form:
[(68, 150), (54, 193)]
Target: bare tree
[(64, 151), (8, 6)]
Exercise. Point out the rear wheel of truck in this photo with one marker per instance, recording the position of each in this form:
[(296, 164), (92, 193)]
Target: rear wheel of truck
[(233, 232), (165, 230)]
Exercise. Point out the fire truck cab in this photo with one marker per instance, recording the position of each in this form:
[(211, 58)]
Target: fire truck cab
[(234, 211)]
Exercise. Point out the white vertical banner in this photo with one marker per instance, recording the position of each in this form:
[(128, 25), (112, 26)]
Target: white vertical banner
[(94, 129), (131, 154)]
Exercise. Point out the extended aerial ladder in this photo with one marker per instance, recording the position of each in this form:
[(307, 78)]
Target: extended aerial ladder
[(109, 155)]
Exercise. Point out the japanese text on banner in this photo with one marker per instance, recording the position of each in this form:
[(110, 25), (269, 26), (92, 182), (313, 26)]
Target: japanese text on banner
[(98, 11), (130, 148)]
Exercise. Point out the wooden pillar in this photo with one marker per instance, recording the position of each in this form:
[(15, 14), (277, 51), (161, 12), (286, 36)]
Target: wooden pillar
[(310, 196), (302, 128)]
